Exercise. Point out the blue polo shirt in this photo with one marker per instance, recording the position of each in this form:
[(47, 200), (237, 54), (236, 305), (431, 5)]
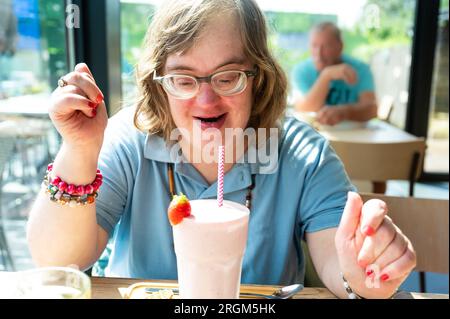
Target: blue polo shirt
[(305, 192), (304, 75)]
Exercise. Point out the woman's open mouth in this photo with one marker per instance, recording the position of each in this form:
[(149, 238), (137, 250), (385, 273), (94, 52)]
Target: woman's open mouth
[(211, 122)]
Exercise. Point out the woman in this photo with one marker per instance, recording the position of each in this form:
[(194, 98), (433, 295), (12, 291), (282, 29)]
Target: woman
[(206, 67)]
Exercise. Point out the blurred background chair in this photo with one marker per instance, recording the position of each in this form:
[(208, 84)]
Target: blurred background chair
[(32, 148), (380, 162), (385, 108), (7, 144), (425, 223), (25, 153)]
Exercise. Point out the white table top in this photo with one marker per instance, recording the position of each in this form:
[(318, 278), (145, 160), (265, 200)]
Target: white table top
[(7, 284), (35, 106), (373, 131)]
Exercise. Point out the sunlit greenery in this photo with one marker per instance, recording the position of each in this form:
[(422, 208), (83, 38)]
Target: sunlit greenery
[(51, 23), (291, 22), (135, 19), (392, 26)]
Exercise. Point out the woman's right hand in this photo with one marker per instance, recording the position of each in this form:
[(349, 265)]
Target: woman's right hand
[(78, 112)]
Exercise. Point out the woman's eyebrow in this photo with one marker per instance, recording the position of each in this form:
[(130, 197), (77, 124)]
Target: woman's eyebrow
[(181, 66)]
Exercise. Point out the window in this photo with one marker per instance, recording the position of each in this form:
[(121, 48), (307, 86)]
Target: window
[(132, 35), (32, 49), (437, 160), (32, 58), (377, 32)]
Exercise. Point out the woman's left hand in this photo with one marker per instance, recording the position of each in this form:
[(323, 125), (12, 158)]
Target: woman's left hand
[(374, 255)]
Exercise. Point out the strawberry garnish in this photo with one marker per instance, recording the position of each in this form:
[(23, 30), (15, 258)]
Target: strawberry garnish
[(179, 208)]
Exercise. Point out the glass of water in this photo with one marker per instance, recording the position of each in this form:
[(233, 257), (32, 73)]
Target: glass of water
[(53, 283)]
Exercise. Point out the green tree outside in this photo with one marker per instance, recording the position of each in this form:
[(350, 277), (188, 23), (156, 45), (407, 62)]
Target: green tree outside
[(135, 19), (53, 38)]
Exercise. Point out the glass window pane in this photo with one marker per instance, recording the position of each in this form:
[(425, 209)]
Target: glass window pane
[(437, 160), (32, 58), (134, 19), (376, 32)]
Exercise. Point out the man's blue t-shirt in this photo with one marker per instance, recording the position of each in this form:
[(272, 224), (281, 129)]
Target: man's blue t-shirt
[(304, 75), (305, 192)]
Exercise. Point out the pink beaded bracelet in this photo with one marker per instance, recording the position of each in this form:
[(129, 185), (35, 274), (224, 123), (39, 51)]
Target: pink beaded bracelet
[(71, 194)]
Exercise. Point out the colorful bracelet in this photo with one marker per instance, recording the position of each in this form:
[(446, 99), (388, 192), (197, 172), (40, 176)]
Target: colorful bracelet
[(70, 194), (351, 294)]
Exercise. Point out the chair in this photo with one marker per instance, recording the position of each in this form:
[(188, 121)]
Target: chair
[(31, 146), (385, 108), (6, 151), (425, 223), (380, 162)]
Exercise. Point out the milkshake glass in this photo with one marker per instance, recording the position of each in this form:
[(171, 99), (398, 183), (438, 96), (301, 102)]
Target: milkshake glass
[(210, 246)]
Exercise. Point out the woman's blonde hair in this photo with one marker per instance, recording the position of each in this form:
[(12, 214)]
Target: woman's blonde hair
[(175, 28)]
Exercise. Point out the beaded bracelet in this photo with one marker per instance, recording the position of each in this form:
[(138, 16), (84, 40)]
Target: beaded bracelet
[(69, 194), (351, 294)]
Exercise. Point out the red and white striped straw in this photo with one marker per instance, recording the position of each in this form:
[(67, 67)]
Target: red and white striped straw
[(220, 175)]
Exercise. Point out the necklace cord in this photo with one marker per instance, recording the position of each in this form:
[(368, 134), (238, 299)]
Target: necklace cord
[(172, 191)]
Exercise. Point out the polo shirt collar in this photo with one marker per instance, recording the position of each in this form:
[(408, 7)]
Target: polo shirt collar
[(156, 149), (238, 178)]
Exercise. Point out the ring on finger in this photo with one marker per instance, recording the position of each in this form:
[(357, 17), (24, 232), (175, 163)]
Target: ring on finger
[(62, 82)]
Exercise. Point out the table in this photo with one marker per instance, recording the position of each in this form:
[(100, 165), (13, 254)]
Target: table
[(108, 288), (374, 131), (31, 106), (111, 288), (26, 119)]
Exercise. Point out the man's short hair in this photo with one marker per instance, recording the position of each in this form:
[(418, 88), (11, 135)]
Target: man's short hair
[(327, 25)]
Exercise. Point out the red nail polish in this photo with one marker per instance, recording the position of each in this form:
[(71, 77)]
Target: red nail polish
[(368, 230), (92, 104), (94, 112), (369, 272), (384, 277), (100, 98)]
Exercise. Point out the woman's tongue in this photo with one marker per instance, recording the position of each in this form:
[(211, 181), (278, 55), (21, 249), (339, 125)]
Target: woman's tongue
[(211, 122)]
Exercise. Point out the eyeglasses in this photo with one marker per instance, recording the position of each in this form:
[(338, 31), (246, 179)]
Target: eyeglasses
[(225, 83)]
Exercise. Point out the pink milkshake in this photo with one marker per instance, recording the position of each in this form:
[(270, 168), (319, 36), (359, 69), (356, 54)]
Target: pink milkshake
[(210, 246)]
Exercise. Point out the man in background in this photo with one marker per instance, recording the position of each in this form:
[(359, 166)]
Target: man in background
[(334, 85)]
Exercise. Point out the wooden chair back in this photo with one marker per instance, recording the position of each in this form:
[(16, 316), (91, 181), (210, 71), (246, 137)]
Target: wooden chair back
[(425, 223), (380, 162)]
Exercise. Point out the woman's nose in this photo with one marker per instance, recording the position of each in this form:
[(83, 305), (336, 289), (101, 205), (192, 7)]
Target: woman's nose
[(206, 95)]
